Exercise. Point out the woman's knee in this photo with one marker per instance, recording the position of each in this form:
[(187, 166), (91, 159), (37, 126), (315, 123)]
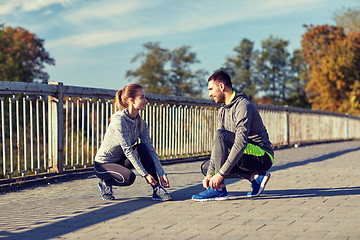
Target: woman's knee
[(117, 174), (129, 180), (126, 179)]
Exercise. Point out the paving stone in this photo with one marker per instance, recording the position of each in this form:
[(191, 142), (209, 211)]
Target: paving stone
[(309, 196)]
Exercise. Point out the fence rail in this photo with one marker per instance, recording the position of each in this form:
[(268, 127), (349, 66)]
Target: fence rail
[(52, 127)]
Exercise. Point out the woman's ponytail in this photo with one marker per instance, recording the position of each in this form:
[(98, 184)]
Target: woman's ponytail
[(118, 101)]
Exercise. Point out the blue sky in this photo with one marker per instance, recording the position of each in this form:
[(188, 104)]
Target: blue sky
[(93, 41)]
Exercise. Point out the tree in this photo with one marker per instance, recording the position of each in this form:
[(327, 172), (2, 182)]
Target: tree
[(334, 68), (185, 82), (152, 74), (241, 68), (297, 95), (272, 75), (22, 56), (167, 71), (272, 68), (348, 18)]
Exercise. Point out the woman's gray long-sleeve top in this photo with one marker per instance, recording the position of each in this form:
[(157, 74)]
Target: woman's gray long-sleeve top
[(121, 134)]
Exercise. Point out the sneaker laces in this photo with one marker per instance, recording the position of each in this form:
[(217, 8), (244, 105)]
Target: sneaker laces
[(108, 190), (160, 190)]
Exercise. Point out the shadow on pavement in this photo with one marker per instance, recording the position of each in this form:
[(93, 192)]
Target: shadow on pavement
[(80, 221), (103, 213), (318, 159), (299, 193), (114, 210), (186, 193), (313, 192)]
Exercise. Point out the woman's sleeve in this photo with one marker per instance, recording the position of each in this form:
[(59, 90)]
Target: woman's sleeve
[(145, 139), (123, 136)]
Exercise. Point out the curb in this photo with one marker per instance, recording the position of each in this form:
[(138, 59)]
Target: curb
[(19, 183)]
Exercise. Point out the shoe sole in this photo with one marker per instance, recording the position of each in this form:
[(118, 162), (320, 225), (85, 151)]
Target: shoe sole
[(107, 199), (211, 199), (262, 185), (161, 200)]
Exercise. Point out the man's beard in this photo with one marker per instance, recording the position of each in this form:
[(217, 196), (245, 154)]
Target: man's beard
[(220, 99)]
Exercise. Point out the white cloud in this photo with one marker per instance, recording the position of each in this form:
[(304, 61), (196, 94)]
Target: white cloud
[(285, 4), (214, 13), (34, 5), (219, 13), (107, 9), (95, 39), (9, 6), (99, 23), (48, 12)]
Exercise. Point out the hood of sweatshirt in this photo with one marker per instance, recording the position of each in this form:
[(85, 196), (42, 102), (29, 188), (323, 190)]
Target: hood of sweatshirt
[(237, 97)]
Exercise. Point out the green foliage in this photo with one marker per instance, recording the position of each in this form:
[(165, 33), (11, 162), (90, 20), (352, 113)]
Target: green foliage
[(241, 68), (169, 72), (271, 74), (152, 74), (272, 67), (297, 95)]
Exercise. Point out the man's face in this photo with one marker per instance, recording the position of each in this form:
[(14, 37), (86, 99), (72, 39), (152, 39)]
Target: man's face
[(216, 91)]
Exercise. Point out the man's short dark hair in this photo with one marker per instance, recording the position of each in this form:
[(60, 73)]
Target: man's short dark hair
[(221, 76)]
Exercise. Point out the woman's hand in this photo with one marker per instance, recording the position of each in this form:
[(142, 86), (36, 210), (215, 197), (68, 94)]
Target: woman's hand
[(164, 181), (150, 180)]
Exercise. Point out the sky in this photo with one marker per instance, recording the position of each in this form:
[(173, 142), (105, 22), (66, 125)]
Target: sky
[(93, 41)]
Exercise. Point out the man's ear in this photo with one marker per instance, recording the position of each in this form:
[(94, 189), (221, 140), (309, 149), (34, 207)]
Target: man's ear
[(222, 86)]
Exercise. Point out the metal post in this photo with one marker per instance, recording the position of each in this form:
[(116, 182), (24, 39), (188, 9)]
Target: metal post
[(57, 106), (287, 128), (347, 127)]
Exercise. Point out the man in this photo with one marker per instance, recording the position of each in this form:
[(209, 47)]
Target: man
[(241, 143)]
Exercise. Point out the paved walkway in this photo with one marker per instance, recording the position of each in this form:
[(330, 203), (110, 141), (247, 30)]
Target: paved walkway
[(314, 193)]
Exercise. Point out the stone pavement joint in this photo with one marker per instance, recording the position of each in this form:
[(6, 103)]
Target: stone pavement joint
[(313, 193)]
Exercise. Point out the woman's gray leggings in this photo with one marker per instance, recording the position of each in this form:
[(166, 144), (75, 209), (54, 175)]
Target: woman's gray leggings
[(119, 173)]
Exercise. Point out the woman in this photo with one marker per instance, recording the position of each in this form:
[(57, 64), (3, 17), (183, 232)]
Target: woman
[(118, 152)]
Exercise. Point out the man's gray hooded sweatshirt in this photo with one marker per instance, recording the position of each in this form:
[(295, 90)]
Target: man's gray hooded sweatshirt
[(241, 117), (121, 134)]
